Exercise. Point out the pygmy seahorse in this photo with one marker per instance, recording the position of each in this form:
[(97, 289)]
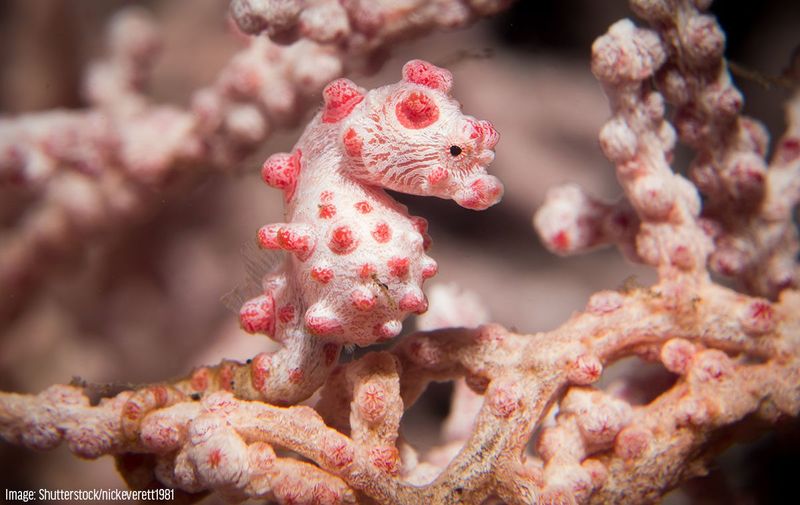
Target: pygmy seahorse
[(356, 259)]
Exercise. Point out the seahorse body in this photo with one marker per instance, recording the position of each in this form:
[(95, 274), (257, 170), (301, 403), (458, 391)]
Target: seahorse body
[(357, 258)]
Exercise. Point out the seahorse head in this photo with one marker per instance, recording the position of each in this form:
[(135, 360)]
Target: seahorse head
[(412, 137)]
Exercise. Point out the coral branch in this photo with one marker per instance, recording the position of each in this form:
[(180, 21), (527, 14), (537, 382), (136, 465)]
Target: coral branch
[(585, 455), (570, 221), (358, 25), (99, 170), (754, 233)]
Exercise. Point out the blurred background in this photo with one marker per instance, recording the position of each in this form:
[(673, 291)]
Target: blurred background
[(145, 305)]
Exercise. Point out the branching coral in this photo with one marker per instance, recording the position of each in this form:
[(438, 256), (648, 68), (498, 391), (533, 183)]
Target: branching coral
[(544, 431), (357, 25)]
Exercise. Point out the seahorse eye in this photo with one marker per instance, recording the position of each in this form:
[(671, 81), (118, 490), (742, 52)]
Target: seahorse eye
[(455, 150)]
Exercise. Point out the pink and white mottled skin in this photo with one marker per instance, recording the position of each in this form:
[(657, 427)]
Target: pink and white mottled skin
[(357, 258)]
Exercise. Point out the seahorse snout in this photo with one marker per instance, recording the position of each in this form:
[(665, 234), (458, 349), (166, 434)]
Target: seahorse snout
[(479, 192)]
